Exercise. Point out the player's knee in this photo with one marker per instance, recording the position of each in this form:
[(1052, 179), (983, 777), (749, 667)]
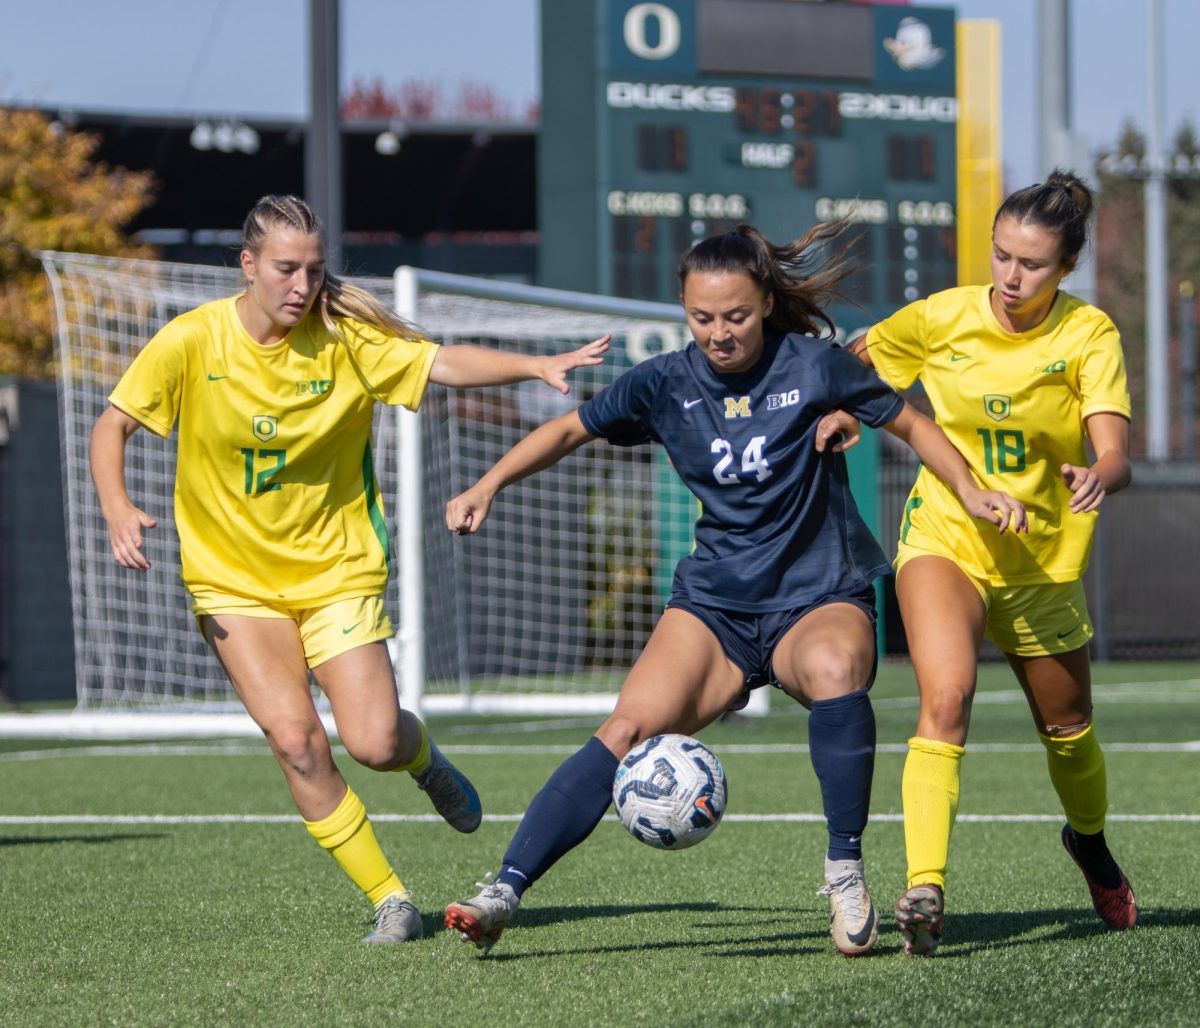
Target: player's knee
[(830, 671), (947, 711), (301, 746), (377, 750)]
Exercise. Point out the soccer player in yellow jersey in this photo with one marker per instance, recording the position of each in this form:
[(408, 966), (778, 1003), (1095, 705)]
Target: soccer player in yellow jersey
[(281, 530), (1019, 373)]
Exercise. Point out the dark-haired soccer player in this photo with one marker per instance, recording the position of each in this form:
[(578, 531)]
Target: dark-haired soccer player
[(1019, 373), (778, 589)]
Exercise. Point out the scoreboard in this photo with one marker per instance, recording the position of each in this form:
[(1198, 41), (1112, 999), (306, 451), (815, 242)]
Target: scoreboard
[(669, 121)]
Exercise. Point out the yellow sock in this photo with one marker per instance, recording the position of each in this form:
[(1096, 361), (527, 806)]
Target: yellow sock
[(348, 836), (1076, 766), (930, 790), (421, 761)]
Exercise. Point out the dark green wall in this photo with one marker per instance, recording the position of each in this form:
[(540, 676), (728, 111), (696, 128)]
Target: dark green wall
[(37, 657), (567, 186)]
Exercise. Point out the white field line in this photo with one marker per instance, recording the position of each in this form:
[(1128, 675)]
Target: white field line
[(517, 749), (293, 819)]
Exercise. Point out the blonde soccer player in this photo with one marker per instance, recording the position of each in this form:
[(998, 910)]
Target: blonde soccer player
[(1020, 374), (282, 537)]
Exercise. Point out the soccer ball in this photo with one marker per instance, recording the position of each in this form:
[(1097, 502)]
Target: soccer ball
[(670, 792)]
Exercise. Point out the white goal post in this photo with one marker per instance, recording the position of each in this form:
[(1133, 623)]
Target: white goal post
[(543, 611)]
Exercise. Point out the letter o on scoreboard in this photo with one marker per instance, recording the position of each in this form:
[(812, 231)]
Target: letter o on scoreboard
[(669, 31)]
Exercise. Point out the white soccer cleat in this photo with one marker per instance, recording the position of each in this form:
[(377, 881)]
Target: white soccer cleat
[(853, 922), (482, 918), (396, 920)]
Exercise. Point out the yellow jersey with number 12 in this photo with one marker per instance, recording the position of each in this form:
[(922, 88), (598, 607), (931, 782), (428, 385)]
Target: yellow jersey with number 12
[(1013, 404), (275, 491)]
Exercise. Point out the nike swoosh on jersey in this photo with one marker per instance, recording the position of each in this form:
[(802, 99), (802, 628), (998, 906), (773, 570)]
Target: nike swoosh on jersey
[(957, 357), (689, 404), (347, 631), (216, 378), (1069, 631)]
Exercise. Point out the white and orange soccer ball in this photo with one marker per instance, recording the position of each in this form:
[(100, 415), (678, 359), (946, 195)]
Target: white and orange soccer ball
[(670, 792)]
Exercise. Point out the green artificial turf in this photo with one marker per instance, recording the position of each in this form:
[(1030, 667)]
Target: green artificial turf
[(111, 922)]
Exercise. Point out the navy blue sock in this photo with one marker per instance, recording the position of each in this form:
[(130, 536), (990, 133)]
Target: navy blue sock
[(841, 743), (562, 814)]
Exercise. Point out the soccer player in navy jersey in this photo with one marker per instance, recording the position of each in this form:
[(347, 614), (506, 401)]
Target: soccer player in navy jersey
[(778, 588)]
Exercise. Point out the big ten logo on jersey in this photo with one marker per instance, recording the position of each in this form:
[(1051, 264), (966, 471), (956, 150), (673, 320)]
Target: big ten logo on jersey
[(314, 387), (737, 407), (788, 399)]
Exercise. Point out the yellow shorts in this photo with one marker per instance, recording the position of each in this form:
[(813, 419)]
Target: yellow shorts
[(1027, 620), (324, 631)]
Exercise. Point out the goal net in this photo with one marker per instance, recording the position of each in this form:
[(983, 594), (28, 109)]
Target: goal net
[(544, 610)]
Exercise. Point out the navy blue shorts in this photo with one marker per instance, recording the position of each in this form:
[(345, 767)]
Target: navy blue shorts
[(749, 639)]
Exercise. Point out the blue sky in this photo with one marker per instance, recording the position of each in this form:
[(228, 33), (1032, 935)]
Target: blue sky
[(248, 57)]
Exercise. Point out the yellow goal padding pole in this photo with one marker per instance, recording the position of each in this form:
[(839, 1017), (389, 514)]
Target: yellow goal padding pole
[(979, 155)]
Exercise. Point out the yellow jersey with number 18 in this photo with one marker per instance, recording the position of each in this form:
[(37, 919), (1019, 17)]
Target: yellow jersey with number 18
[(275, 491), (1013, 404)]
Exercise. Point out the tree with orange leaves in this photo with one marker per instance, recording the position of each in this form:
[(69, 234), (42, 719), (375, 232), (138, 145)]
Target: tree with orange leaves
[(53, 196)]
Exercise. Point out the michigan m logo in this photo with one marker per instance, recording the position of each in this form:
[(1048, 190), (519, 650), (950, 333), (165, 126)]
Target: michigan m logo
[(737, 407)]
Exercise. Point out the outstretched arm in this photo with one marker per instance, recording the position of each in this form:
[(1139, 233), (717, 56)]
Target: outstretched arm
[(937, 453), (543, 447), (461, 366), (1110, 473), (125, 521)]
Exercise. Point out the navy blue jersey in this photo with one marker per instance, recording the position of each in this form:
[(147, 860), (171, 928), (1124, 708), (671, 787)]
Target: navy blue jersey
[(778, 526)]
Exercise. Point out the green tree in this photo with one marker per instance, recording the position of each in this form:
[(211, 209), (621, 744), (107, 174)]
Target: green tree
[(53, 196)]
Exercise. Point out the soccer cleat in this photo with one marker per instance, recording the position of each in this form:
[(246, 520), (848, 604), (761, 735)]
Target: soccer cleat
[(453, 796), (481, 919), (396, 920), (1117, 907), (919, 913), (853, 922)]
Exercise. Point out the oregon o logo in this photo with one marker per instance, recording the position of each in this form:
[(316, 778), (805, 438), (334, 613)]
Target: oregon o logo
[(669, 31), (997, 407), (265, 427)]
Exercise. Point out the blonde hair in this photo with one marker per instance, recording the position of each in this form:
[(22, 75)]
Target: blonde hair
[(336, 300)]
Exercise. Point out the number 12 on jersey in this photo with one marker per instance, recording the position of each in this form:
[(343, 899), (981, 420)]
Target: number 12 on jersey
[(263, 481), (1003, 450)]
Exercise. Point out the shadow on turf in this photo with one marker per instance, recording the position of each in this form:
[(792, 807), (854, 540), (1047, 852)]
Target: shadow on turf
[(970, 933), (41, 840), (754, 945)]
